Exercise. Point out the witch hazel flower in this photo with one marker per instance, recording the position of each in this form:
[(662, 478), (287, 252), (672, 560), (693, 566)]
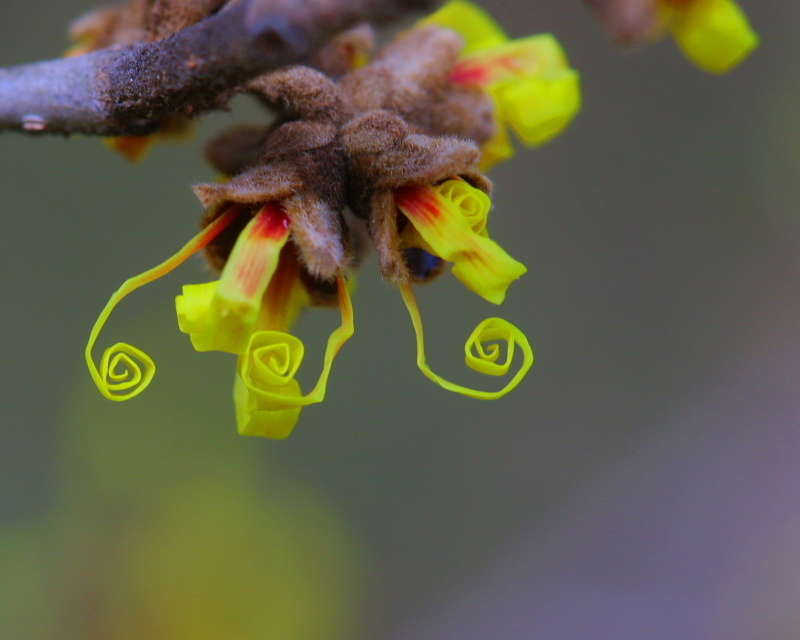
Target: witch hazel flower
[(427, 205), (247, 312), (533, 88), (276, 234), (393, 147), (448, 221)]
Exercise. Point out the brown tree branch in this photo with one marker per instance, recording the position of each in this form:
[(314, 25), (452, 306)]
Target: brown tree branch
[(130, 90)]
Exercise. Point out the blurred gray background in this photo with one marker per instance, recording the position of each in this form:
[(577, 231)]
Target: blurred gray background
[(642, 482)]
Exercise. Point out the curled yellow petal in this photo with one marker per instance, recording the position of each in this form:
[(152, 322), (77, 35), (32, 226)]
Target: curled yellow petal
[(473, 203), (268, 398), (125, 371), (480, 263), (273, 358), (714, 34), (482, 351), (269, 423), (114, 382), (472, 23)]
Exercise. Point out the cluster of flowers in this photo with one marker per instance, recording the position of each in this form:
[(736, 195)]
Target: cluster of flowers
[(400, 142)]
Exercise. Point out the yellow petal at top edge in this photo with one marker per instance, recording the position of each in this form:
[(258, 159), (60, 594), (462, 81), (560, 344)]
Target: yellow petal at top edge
[(539, 109), (472, 23), (714, 34)]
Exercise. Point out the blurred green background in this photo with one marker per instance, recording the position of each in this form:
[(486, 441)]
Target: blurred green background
[(662, 235)]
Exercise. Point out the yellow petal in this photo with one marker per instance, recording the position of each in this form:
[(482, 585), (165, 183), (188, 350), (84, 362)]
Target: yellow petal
[(273, 358), (480, 263), (473, 203), (714, 34), (497, 149), (534, 88), (251, 421), (482, 351), (538, 109), (471, 22), (268, 398), (232, 311), (193, 305), (126, 371)]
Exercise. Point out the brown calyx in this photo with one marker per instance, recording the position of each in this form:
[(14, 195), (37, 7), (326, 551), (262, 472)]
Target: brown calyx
[(397, 121), (301, 166), (383, 155)]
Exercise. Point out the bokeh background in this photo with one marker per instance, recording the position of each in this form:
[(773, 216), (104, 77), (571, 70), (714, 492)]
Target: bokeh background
[(643, 482)]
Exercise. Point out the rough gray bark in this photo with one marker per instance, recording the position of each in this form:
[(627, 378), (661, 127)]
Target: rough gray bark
[(130, 90)]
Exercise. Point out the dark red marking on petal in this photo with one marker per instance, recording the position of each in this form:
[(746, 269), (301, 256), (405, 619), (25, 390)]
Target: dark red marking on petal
[(272, 222), (419, 203), (470, 74), (484, 72)]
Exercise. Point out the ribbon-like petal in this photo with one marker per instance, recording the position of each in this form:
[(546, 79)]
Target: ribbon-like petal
[(267, 396), (482, 351), (138, 368), (231, 312)]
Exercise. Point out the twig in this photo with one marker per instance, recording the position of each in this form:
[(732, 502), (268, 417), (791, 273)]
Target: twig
[(130, 90)]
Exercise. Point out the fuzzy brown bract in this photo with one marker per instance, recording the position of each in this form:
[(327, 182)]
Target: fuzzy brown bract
[(349, 143)]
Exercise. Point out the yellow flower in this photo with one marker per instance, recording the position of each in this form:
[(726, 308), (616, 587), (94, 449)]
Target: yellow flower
[(448, 221), (714, 34), (248, 312), (534, 89), (222, 316)]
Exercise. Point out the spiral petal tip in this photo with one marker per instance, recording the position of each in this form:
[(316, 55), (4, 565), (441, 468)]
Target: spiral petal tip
[(472, 23)]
